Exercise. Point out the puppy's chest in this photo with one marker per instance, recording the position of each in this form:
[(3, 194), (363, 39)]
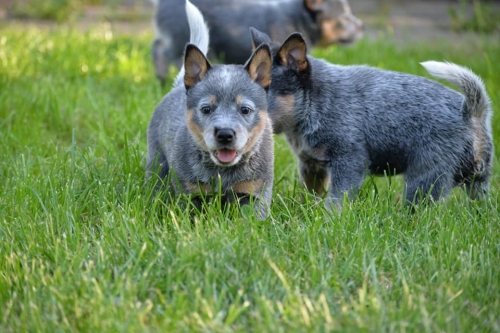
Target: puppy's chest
[(305, 150), (240, 181)]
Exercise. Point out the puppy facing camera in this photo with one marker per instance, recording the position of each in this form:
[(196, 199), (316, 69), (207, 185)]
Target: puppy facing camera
[(212, 129)]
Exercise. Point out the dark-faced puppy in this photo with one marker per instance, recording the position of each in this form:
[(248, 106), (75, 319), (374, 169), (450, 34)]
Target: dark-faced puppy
[(322, 22), (346, 121)]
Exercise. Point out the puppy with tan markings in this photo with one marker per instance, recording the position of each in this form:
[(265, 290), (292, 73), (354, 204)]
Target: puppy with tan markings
[(212, 129), (322, 22), (344, 122)]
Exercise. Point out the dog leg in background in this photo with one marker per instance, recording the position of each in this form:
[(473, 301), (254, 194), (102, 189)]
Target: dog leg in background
[(168, 44), (163, 52), (159, 60)]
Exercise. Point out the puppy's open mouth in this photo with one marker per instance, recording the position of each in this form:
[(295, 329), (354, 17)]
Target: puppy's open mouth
[(225, 155)]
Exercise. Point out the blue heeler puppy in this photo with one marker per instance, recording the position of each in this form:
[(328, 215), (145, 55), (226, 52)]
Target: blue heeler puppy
[(346, 121), (214, 124), (322, 22)]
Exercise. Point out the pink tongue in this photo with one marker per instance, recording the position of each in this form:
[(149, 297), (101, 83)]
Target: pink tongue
[(226, 155)]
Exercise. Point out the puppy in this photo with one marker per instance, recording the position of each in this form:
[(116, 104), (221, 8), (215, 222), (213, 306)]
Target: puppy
[(343, 122), (322, 22), (213, 132)]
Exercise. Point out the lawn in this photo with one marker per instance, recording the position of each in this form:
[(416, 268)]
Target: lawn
[(85, 247)]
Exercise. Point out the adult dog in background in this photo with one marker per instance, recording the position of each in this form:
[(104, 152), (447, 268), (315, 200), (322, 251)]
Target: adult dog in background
[(211, 133), (346, 121), (321, 22)]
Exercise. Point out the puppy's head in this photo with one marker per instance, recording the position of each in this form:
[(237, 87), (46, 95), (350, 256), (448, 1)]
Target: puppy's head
[(335, 21), (227, 104), (290, 76), (289, 57)]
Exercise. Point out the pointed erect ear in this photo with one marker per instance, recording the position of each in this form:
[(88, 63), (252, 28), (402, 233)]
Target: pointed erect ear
[(258, 37), (196, 66), (313, 5), (293, 53), (259, 66)]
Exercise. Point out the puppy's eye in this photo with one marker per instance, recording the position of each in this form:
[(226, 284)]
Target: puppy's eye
[(206, 109), (245, 110)]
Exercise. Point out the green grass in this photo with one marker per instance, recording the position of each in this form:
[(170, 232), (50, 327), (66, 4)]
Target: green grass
[(484, 17), (83, 247), (69, 10)]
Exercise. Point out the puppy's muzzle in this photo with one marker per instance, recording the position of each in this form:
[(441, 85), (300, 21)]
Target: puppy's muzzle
[(225, 136)]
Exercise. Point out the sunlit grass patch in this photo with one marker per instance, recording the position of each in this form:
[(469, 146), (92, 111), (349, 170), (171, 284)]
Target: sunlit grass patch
[(87, 246)]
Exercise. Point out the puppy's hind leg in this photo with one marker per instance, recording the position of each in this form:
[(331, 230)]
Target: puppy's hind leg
[(163, 56), (477, 188), (314, 175), (434, 183), (477, 185), (159, 60)]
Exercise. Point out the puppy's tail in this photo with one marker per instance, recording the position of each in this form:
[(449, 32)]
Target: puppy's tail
[(476, 108), (198, 35), (477, 103)]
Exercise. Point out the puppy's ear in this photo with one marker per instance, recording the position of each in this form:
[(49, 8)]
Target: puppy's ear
[(258, 37), (313, 5), (196, 66), (259, 66), (293, 53)]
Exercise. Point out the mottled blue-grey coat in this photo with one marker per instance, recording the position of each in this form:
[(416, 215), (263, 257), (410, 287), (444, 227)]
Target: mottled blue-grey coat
[(322, 23), (345, 121), (211, 133)]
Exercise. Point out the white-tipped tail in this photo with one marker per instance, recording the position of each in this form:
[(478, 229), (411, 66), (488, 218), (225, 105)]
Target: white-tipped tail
[(198, 29), (477, 101), (198, 35), (477, 110)]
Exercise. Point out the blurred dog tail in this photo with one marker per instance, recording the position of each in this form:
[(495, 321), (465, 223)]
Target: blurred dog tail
[(476, 108), (198, 35)]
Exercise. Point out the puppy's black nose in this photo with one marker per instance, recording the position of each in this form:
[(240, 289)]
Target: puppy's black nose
[(224, 135)]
